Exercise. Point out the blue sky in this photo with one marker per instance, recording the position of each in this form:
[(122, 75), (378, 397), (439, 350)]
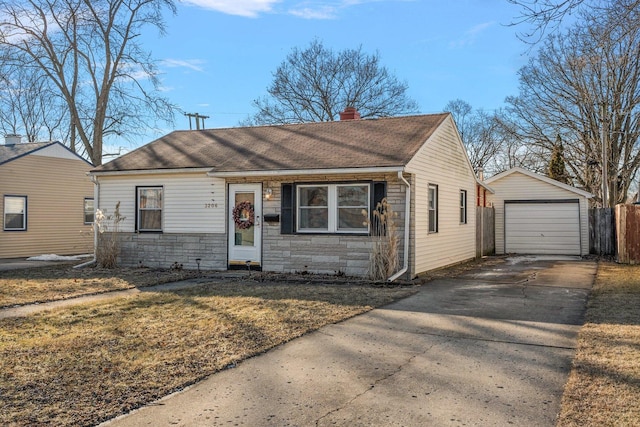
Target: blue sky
[(219, 55)]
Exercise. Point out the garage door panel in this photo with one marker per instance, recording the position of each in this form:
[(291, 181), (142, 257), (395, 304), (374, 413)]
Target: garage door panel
[(542, 228)]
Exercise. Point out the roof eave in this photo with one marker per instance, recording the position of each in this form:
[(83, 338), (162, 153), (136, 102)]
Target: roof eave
[(149, 171), (291, 172)]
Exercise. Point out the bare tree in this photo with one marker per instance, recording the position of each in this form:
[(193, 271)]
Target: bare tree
[(29, 106), (316, 84), (89, 52), (483, 137), (545, 16), (584, 85)]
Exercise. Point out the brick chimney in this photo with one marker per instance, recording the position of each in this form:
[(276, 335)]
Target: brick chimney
[(350, 113)]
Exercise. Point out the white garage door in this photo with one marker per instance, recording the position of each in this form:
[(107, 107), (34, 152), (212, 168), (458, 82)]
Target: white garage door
[(547, 227)]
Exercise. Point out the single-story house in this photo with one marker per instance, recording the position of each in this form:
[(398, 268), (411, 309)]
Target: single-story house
[(47, 200), (295, 198), (535, 214)]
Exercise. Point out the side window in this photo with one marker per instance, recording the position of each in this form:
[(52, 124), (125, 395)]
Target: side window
[(88, 211), (15, 213), (463, 206), (149, 212), (433, 208)]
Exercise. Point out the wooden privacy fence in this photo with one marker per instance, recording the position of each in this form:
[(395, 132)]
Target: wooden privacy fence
[(628, 234), (485, 231), (602, 231)]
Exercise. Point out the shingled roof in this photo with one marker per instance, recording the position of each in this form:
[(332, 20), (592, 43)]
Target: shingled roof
[(383, 142), (12, 152)]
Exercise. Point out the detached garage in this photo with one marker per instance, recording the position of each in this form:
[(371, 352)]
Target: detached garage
[(535, 214)]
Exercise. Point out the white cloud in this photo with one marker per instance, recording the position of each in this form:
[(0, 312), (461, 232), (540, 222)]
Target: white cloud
[(247, 8), (471, 35), (321, 12), (193, 64)]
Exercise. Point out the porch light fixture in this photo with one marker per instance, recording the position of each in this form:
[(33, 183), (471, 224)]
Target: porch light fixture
[(268, 193)]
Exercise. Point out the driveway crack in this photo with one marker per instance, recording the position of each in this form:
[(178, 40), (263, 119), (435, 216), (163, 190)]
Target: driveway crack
[(376, 382)]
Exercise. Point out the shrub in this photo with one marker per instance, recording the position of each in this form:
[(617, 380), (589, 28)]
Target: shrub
[(108, 247), (384, 258)]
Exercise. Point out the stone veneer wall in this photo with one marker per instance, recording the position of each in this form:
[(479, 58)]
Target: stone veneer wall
[(324, 253), (163, 250)]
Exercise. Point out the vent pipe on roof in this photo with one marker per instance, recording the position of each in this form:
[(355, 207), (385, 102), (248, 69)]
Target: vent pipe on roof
[(349, 113), (12, 139)]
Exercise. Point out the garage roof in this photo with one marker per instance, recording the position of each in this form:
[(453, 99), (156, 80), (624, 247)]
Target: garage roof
[(541, 178)]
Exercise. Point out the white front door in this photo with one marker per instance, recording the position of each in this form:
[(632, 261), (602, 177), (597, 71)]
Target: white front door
[(245, 224)]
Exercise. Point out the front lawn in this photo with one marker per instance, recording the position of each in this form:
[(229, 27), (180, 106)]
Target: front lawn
[(88, 363), (42, 284), (604, 384)]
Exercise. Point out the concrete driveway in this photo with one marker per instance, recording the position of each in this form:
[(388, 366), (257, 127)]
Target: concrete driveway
[(491, 347)]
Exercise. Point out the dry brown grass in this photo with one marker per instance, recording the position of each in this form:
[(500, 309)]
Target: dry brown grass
[(604, 384), (28, 286), (88, 363)]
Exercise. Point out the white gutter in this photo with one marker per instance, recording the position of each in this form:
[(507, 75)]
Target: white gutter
[(285, 172), (96, 198), (407, 215), (149, 171)]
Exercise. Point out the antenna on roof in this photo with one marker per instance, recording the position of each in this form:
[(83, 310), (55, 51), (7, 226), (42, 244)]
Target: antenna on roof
[(197, 117)]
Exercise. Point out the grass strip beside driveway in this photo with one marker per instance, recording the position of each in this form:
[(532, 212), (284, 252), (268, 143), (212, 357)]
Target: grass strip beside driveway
[(88, 363), (604, 385)]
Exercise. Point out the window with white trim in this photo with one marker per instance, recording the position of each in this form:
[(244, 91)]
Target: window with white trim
[(463, 206), (15, 213), (333, 208), (149, 213), (88, 210), (433, 208)]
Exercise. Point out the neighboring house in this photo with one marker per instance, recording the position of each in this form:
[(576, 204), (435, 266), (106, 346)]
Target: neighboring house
[(47, 205), (535, 214), (291, 198)]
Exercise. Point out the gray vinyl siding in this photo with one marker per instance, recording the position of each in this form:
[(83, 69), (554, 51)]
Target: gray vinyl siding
[(442, 161), (192, 203)]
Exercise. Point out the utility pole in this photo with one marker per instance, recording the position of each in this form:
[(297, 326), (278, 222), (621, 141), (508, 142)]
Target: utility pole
[(197, 118), (605, 166)]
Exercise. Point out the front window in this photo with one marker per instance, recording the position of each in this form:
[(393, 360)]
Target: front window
[(15, 213), (149, 209), (333, 208), (313, 202), (352, 200), (463, 206), (88, 211), (433, 208)]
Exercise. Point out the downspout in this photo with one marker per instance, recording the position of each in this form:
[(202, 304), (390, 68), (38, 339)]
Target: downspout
[(407, 216), (96, 199)]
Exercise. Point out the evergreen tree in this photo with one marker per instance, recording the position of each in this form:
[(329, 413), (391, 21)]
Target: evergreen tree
[(557, 169)]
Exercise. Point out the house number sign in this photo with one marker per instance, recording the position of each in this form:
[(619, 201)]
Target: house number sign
[(212, 204)]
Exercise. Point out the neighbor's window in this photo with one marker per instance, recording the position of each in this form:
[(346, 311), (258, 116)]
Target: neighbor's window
[(15, 213), (463, 206), (333, 208), (433, 208), (149, 216), (88, 211)]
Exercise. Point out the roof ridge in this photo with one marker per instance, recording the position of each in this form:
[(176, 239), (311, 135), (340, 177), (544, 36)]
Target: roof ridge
[(280, 125)]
